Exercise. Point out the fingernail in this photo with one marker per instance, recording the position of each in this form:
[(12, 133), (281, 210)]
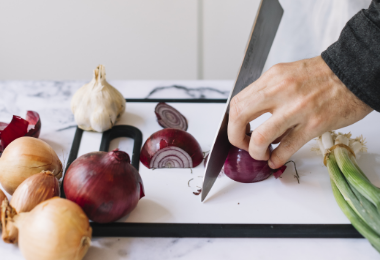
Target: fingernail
[(271, 164)]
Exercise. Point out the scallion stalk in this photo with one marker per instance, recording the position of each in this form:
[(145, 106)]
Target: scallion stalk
[(355, 220), (362, 207), (356, 178)]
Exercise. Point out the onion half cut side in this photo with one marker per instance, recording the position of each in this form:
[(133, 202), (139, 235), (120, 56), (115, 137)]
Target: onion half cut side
[(169, 117), (171, 148)]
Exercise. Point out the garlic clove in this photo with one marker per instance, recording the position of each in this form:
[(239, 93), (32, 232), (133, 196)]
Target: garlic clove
[(34, 190), (97, 105)]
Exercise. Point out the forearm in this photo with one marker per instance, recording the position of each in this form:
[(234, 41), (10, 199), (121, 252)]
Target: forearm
[(355, 57)]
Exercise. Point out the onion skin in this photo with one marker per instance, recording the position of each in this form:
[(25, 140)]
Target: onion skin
[(19, 127), (25, 157), (241, 167), (105, 185), (54, 229), (34, 190), (171, 137)]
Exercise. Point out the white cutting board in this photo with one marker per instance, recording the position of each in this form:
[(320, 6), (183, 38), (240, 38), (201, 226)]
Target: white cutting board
[(274, 201)]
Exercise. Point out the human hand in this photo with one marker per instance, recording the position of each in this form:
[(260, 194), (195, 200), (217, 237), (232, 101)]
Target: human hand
[(305, 99)]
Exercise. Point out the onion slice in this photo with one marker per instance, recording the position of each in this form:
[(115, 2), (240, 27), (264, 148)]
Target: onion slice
[(171, 148), (19, 127), (169, 117)]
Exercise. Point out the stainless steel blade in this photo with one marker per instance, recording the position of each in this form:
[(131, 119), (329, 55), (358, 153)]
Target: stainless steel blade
[(262, 35)]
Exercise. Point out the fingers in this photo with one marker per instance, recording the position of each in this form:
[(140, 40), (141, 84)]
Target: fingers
[(241, 113), (266, 133), (278, 139), (290, 144)]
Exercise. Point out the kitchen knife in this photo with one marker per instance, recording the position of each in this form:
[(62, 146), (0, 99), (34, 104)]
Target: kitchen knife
[(264, 29)]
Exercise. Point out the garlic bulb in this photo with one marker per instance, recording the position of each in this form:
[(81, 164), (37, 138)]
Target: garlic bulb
[(97, 105), (55, 229), (34, 190)]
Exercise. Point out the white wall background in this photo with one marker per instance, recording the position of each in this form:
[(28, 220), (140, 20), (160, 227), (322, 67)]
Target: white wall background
[(154, 39)]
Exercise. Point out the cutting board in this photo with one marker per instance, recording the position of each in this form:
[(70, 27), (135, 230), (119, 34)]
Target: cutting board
[(171, 196)]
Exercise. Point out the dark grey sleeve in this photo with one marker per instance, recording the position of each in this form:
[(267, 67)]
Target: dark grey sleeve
[(355, 57)]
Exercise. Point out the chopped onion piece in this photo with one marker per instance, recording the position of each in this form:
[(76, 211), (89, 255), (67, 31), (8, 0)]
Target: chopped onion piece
[(169, 117)]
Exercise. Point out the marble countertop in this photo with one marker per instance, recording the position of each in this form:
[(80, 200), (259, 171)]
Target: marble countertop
[(52, 100)]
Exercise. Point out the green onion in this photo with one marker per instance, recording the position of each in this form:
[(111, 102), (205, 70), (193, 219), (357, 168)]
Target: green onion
[(356, 221), (357, 197), (362, 207), (356, 178)]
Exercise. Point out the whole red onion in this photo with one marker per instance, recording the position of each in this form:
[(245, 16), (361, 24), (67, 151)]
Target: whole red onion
[(105, 185), (171, 148), (241, 167)]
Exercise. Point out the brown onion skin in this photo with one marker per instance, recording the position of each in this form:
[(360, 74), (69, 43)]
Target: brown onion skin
[(241, 167), (2, 197), (98, 183), (171, 137), (34, 190)]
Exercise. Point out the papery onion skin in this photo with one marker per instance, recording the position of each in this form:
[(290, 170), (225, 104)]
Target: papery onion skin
[(34, 190), (2, 197), (241, 167), (34, 127), (19, 127), (25, 157), (105, 185), (169, 117), (170, 137), (55, 229)]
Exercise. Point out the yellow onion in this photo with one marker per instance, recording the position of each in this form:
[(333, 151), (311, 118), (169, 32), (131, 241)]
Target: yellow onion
[(25, 157), (34, 190), (55, 229)]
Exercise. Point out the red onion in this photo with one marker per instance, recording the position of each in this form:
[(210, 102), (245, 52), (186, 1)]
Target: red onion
[(171, 148), (241, 167), (105, 185), (19, 127), (169, 117)]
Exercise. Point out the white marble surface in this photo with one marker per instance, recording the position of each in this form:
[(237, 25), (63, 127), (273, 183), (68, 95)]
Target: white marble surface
[(52, 99)]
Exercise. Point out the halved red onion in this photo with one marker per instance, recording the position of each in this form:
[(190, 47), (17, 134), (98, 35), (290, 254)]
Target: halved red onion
[(169, 117), (241, 167), (171, 148), (105, 185), (19, 127)]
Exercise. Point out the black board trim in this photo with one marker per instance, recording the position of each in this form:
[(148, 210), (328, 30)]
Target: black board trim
[(175, 100), (208, 230)]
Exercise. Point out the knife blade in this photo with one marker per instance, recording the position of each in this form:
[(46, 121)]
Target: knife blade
[(263, 32)]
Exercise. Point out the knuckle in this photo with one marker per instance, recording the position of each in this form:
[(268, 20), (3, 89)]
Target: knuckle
[(288, 81), (277, 69), (315, 123), (235, 107), (258, 139), (277, 160)]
